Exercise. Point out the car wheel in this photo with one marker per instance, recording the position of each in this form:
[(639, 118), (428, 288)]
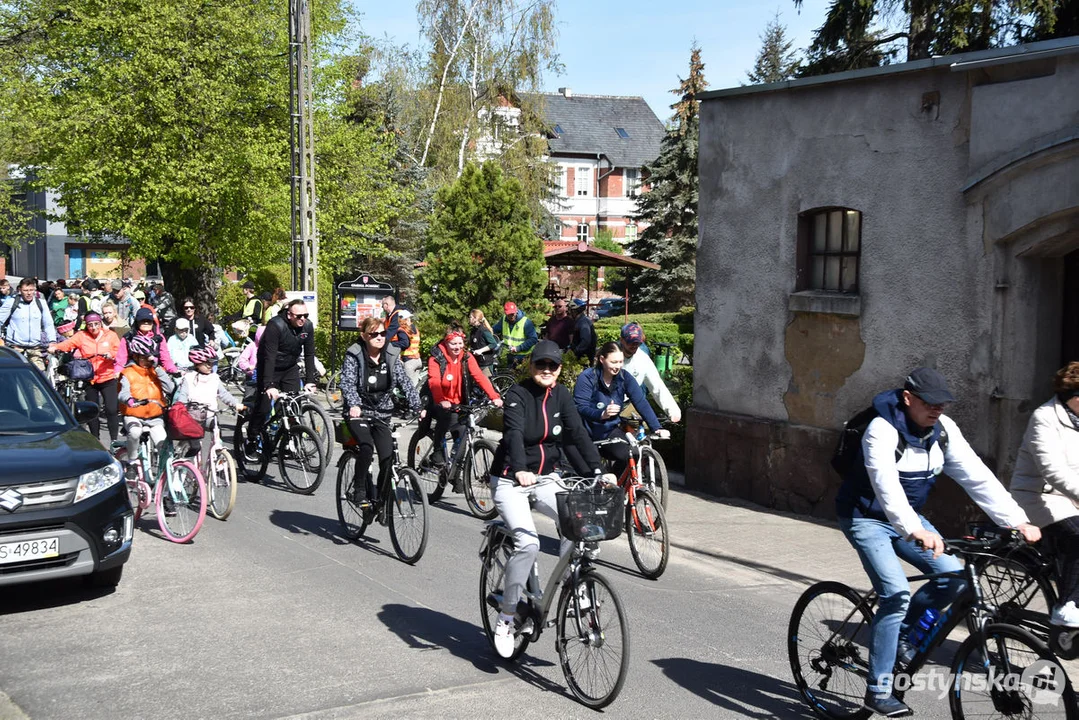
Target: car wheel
[(106, 578)]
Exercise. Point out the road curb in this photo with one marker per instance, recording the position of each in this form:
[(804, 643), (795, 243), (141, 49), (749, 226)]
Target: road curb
[(9, 710)]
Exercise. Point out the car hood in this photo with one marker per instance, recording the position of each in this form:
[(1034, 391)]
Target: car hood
[(32, 458)]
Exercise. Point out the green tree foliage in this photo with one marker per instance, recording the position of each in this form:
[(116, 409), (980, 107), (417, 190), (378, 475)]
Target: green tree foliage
[(776, 61), (853, 36), (611, 276), (481, 249), (670, 206)]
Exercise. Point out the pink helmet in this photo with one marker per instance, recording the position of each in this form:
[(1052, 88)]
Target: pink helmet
[(201, 354), (141, 345)]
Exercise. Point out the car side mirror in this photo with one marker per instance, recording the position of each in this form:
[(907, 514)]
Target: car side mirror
[(86, 411)]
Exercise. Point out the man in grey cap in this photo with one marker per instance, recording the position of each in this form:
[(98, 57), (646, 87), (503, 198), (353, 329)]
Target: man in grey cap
[(126, 304), (903, 451)]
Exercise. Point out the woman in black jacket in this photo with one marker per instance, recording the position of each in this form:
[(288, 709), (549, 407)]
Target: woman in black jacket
[(540, 417)]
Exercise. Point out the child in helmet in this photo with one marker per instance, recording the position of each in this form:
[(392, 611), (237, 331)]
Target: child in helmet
[(203, 387), (144, 387), (145, 326)]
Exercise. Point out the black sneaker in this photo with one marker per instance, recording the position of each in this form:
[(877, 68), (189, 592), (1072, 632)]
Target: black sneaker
[(886, 704), (905, 652), (358, 494)]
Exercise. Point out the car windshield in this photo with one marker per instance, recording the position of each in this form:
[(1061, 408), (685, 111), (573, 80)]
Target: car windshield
[(27, 406)]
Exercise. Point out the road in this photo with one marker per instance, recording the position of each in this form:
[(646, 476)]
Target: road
[(273, 614)]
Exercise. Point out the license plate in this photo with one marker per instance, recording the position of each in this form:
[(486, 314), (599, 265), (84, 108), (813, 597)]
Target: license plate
[(29, 550)]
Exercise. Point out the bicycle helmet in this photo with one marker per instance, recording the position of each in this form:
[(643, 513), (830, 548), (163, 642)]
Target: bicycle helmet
[(201, 354), (141, 345)]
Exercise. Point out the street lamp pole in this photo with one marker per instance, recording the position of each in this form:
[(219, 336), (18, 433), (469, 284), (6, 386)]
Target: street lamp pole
[(302, 148)]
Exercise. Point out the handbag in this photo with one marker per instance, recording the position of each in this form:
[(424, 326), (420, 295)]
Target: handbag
[(180, 425), (77, 369)]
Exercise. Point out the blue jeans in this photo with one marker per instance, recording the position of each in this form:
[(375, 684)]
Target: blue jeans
[(880, 547)]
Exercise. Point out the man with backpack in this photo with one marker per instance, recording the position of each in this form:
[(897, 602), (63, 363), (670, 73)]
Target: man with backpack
[(26, 324), (890, 456)]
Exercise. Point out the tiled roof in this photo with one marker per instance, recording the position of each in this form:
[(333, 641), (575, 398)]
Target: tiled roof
[(589, 122)]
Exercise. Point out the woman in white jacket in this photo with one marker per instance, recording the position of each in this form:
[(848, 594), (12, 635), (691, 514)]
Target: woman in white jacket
[(1046, 483)]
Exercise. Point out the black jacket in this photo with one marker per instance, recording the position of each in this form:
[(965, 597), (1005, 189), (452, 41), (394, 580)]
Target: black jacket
[(394, 334), (583, 338), (537, 423), (280, 349)]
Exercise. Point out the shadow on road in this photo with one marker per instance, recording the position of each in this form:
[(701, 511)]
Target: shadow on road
[(32, 597), (302, 523), (744, 692), (427, 629)]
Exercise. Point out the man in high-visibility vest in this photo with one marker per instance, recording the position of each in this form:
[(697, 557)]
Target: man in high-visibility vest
[(253, 307), (517, 332)]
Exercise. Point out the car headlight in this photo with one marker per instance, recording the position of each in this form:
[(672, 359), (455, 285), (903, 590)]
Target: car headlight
[(95, 481)]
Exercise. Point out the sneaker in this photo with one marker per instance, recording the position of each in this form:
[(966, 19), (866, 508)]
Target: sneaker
[(504, 636), (1066, 615), (251, 448), (904, 652), (886, 704), (437, 460)]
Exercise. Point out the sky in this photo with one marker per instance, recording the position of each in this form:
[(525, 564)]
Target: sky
[(638, 47)]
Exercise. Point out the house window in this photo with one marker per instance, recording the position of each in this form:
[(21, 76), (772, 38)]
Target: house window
[(622, 133), (830, 243), (631, 233), (558, 130), (582, 232), (631, 181), (563, 180), (583, 181)]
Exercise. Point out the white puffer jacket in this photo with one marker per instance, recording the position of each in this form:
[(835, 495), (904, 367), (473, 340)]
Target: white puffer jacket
[(1046, 478)]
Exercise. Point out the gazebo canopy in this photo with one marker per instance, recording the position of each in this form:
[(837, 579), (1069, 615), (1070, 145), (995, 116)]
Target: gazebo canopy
[(581, 254)]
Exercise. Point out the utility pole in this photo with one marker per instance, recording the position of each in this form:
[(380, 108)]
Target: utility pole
[(302, 146)]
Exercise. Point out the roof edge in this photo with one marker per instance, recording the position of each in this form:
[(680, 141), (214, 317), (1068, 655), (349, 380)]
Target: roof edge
[(961, 62)]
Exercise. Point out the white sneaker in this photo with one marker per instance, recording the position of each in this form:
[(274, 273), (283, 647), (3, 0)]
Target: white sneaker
[(504, 636), (1066, 615)]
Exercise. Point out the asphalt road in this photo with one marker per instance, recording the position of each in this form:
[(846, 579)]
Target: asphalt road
[(273, 614)]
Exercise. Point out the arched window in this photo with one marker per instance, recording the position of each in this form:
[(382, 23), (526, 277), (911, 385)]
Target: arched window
[(829, 249)]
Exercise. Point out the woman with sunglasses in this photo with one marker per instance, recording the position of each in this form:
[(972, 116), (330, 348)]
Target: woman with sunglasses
[(540, 421), (368, 378), (201, 328), (99, 345)]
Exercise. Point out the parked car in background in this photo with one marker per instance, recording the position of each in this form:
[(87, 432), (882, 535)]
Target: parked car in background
[(610, 307)]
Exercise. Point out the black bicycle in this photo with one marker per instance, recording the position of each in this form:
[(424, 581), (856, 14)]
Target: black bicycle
[(1001, 670), (468, 467), (399, 504), (300, 454)]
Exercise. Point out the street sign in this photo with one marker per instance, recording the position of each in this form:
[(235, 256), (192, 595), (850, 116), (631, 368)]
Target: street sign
[(359, 298)]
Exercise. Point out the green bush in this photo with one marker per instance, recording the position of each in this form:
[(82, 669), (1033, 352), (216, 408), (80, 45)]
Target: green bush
[(572, 366), (271, 277), (681, 386), (230, 299)]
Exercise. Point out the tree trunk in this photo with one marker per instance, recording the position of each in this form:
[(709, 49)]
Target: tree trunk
[(922, 14), (199, 283), (445, 76)]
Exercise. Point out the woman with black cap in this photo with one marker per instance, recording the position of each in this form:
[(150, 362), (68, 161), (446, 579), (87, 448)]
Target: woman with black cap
[(539, 419)]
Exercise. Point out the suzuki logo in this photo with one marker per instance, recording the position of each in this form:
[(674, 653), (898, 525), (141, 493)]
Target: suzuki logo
[(11, 500)]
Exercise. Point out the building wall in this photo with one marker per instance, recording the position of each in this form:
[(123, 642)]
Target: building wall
[(943, 281)]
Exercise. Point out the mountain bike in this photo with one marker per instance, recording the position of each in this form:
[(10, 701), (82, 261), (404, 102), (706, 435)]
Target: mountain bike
[(1000, 668), (592, 628), (221, 469), (650, 464), (400, 502), (300, 455), (468, 462), (646, 523)]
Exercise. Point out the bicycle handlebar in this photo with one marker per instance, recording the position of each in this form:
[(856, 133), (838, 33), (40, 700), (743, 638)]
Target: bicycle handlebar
[(988, 543)]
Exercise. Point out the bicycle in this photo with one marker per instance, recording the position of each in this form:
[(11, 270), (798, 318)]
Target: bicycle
[(332, 391), (300, 456), (592, 625), (646, 523), (828, 638), (178, 494), (468, 465), (652, 468), (406, 515), (221, 479), (315, 417)]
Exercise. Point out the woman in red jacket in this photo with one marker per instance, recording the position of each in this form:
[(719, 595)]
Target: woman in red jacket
[(452, 373), (99, 345)]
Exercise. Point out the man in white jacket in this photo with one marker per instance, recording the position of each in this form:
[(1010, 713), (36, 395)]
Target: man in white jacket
[(903, 451), (644, 371)]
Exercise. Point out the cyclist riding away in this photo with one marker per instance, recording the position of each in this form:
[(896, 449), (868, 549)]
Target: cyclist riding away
[(144, 387), (902, 452), (368, 378), (644, 371), (540, 420)]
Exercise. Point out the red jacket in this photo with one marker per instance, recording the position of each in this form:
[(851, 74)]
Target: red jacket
[(100, 351), (448, 386)]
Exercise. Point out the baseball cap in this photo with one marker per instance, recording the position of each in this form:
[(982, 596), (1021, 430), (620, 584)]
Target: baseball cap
[(116, 284), (929, 385), (633, 333), (510, 308), (248, 285), (183, 324), (139, 295), (547, 350)]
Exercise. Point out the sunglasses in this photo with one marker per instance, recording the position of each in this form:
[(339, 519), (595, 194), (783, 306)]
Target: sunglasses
[(189, 307), (380, 333), (546, 365), (299, 317)]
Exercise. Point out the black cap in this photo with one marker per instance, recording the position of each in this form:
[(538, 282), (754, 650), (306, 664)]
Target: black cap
[(929, 385), (248, 285), (547, 350)]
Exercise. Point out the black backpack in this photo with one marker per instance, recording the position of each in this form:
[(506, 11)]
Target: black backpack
[(848, 449)]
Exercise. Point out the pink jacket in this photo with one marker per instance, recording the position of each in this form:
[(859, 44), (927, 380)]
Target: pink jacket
[(249, 357)]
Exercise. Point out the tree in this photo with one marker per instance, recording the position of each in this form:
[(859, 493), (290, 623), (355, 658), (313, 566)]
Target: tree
[(612, 277), (776, 61), (670, 206), (849, 38), (482, 248)]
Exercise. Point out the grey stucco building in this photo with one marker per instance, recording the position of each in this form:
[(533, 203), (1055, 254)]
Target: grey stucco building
[(854, 226)]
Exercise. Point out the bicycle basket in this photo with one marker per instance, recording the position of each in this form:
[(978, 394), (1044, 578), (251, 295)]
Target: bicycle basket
[(77, 369), (180, 425), (343, 434), (591, 515)]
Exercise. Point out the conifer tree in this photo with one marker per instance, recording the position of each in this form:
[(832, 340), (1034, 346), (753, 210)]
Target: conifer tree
[(669, 208), (776, 61)]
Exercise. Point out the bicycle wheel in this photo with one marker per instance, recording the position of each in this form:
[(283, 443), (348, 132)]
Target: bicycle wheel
[(301, 460), (353, 520), (477, 479), (502, 382), (653, 473), (593, 639), (828, 648), (313, 416), (252, 466), (406, 513), (181, 503), (649, 542), (492, 585), (221, 485), (419, 457), (332, 391), (1013, 675)]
